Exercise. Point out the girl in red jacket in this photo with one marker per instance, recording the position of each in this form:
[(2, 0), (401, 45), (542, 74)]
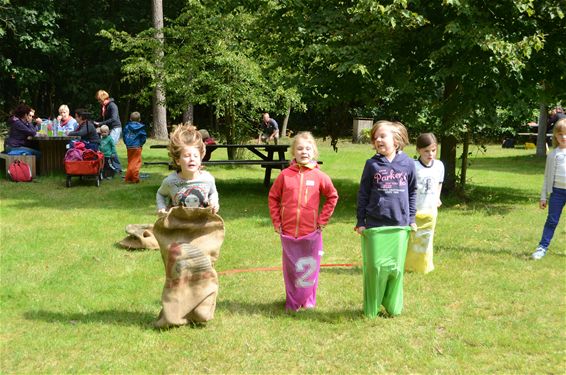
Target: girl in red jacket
[(294, 208)]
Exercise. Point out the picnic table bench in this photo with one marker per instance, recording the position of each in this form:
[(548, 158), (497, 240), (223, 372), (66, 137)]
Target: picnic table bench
[(270, 156)]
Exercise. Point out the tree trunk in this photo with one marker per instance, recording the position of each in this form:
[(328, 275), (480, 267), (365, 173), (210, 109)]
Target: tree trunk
[(159, 111), (230, 132), (449, 141), (189, 114), (448, 157), (541, 134), (465, 153), (285, 122)]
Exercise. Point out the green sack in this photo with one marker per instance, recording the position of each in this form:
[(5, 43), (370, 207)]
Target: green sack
[(384, 250)]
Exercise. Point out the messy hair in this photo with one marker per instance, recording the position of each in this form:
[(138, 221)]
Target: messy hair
[(399, 131), (307, 136), (184, 135)]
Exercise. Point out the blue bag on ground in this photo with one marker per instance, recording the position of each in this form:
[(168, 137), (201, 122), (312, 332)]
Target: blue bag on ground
[(384, 250)]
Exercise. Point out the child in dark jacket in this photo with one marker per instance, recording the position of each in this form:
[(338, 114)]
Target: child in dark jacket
[(388, 187), (134, 139), (386, 208)]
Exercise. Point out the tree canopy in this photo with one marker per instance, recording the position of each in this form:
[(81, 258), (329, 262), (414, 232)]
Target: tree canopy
[(460, 68)]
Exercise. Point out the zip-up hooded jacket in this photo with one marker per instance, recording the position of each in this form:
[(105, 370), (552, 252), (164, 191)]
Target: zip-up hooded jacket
[(388, 192), (134, 134), (294, 199)]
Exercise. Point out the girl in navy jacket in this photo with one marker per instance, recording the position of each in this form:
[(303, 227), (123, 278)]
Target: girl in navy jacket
[(388, 187)]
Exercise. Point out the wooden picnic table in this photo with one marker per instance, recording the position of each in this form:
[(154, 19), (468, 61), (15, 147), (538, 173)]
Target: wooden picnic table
[(270, 156), (53, 149)]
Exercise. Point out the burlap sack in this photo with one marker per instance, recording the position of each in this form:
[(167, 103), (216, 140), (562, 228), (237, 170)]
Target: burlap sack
[(140, 236), (190, 240)]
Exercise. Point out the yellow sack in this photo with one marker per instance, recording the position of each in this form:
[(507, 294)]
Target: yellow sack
[(419, 252)]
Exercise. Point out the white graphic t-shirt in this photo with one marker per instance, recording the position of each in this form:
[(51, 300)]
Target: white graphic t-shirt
[(428, 180), (198, 192)]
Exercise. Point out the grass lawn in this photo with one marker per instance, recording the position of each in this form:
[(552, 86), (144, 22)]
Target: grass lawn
[(74, 302)]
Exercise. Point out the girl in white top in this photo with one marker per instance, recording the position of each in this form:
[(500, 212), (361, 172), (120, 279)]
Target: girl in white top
[(430, 175), (555, 184), (190, 186)]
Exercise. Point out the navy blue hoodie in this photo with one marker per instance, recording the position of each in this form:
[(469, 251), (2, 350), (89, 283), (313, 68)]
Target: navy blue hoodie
[(388, 192)]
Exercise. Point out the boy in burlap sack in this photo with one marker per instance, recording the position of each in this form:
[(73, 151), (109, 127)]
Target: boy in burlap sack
[(189, 233)]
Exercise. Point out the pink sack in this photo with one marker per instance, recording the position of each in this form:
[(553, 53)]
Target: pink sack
[(301, 266)]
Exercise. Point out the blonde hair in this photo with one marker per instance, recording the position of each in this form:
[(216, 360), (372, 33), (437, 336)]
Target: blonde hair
[(307, 136), (400, 135), (184, 135), (64, 107), (101, 94), (135, 116), (559, 127), (105, 129)]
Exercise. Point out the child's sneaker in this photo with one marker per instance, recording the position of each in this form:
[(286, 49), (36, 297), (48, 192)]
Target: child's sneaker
[(539, 253)]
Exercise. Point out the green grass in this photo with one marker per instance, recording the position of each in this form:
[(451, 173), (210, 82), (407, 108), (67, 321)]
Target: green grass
[(74, 302)]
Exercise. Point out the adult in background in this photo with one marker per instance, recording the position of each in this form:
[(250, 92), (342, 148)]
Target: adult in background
[(20, 133), (111, 118), (86, 130), (555, 114), (65, 122), (269, 130), (209, 142)]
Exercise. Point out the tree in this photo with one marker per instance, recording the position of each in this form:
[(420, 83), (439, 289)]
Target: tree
[(211, 58), (442, 66), (159, 111), (28, 48)]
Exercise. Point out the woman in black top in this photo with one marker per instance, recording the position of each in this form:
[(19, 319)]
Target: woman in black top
[(86, 130)]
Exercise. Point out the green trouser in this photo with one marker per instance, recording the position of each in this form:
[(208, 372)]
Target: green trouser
[(384, 250)]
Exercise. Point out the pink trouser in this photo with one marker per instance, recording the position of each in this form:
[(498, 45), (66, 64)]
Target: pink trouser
[(301, 266)]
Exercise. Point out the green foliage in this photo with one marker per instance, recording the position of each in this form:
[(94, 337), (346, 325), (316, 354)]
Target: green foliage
[(211, 58), (365, 136)]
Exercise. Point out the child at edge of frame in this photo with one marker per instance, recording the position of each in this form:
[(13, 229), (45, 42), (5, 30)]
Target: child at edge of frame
[(555, 184), (134, 136), (386, 200), (430, 176), (294, 201)]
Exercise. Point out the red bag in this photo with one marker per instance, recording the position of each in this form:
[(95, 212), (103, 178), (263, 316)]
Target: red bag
[(19, 171)]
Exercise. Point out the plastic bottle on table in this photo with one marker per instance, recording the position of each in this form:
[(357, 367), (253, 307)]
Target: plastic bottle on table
[(50, 128)]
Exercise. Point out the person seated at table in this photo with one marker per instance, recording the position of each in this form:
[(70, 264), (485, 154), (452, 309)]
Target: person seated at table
[(65, 122), (208, 141), (21, 131), (86, 130), (269, 130), (108, 148)]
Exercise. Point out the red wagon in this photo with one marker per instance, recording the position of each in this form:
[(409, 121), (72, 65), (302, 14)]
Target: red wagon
[(85, 169)]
